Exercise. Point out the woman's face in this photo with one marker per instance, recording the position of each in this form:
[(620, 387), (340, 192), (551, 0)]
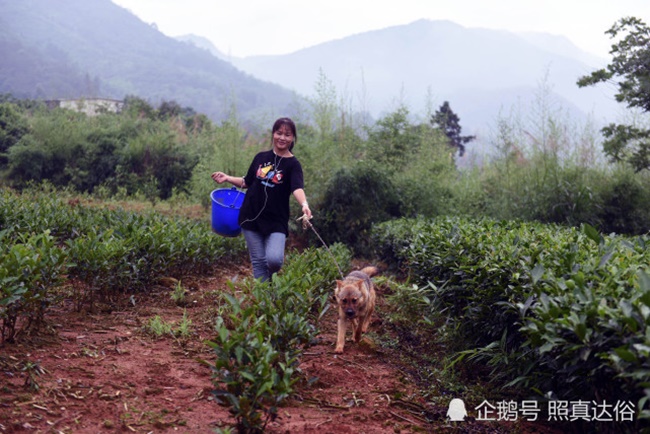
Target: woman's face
[(282, 139)]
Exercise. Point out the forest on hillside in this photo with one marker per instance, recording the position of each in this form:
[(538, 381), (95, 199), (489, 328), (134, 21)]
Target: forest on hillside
[(553, 171), (72, 49), (544, 166)]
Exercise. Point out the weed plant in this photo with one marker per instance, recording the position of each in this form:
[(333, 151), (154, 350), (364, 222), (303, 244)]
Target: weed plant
[(184, 328), (178, 294), (158, 327)]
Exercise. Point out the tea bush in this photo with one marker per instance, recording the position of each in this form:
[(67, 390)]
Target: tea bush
[(547, 307), (30, 269), (107, 250), (595, 316), (473, 266), (261, 335)]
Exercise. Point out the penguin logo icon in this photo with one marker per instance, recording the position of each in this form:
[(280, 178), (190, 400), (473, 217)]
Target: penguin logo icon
[(456, 410)]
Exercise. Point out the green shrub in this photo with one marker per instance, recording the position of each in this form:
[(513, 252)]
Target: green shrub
[(546, 307), (253, 376), (261, 335), (113, 250), (625, 198), (13, 126), (30, 269), (590, 322), (354, 200)]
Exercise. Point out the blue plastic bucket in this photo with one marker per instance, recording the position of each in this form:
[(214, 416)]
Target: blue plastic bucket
[(226, 203)]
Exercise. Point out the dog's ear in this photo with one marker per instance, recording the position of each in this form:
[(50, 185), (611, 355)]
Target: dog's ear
[(339, 283)]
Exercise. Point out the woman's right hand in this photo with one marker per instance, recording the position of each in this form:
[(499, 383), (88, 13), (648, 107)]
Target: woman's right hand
[(220, 177)]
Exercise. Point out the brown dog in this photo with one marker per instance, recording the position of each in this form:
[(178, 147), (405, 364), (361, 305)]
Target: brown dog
[(355, 296)]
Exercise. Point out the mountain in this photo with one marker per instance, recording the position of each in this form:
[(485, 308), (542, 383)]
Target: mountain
[(76, 48), (479, 71), (562, 46), (204, 43), (94, 48)]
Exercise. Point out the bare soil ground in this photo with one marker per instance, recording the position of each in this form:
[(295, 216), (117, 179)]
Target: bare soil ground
[(101, 372)]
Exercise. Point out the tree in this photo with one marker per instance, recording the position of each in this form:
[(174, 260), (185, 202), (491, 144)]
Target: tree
[(449, 122), (169, 110), (13, 127), (324, 105), (138, 108), (631, 66), (393, 140), (355, 199)]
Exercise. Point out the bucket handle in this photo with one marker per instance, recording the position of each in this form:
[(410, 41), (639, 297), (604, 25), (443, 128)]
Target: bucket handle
[(232, 205)]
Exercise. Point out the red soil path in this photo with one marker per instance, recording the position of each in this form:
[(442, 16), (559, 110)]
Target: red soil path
[(103, 373)]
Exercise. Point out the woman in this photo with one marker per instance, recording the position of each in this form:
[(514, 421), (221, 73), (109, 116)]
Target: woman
[(264, 216)]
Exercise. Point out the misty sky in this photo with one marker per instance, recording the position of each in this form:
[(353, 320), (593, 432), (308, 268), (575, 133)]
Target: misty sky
[(254, 27)]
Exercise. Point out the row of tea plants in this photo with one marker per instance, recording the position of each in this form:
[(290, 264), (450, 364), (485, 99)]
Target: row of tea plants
[(547, 308), (262, 331), (49, 241)]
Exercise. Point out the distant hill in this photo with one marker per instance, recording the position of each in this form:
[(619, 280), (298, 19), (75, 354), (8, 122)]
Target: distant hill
[(479, 71), (204, 43), (94, 48), (76, 48), (560, 45)]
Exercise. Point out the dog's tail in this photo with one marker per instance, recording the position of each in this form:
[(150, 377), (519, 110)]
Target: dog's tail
[(370, 271)]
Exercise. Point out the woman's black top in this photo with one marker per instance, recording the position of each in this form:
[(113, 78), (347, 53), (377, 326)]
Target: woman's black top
[(271, 180)]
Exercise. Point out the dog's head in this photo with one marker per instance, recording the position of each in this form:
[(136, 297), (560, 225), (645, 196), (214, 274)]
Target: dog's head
[(350, 297)]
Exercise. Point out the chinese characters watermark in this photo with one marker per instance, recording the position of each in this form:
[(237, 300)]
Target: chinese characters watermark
[(556, 410)]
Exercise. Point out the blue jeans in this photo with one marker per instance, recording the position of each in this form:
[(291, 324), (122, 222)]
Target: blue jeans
[(266, 252)]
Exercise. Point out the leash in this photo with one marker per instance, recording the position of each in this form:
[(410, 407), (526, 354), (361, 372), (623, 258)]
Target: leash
[(307, 224)]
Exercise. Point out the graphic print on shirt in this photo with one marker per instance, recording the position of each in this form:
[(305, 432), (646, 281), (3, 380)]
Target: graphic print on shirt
[(269, 175)]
